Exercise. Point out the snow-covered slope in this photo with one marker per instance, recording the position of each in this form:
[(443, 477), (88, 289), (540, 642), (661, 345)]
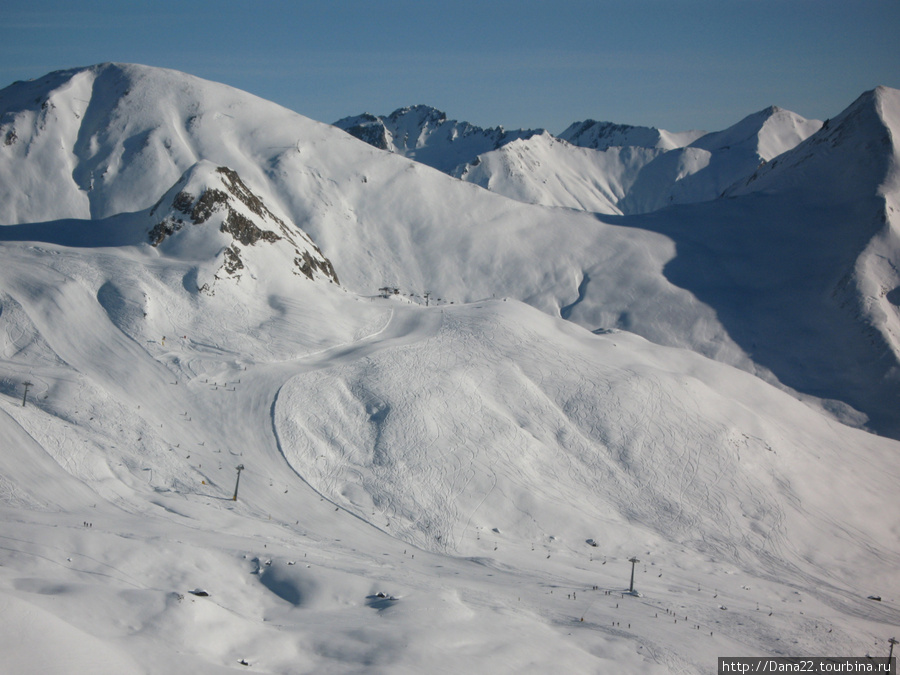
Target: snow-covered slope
[(379, 218), (426, 135), (625, 169), (383, 220), (545, 170), (818, 219), (414, 479), (702, 170), (849, 171), (455, 487)]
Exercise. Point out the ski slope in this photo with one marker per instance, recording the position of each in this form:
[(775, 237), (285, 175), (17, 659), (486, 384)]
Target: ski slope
[(452, 477), (420, 486)]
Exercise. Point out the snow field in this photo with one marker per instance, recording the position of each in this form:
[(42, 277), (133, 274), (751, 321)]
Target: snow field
[(120, 135), (422, 485), (471, 596)]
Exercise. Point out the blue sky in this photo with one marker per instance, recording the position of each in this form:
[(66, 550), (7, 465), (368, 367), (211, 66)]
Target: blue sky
[(674, 64)]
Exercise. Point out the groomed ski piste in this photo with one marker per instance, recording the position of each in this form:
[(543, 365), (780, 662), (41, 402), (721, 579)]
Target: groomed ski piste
[(453, 481), (443, 488)]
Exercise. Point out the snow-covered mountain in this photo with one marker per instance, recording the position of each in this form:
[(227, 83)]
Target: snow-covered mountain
[(426, 135), (701, 171), (545, 170), (600, 167), (454, 476), (215, 198), (605, 135), (630, 170), (383, 220)]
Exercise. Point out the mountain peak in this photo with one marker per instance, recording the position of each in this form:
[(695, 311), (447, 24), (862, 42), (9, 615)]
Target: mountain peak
[(424, 134), (215, 195), (767, 133), (829, 162), (422, 114)]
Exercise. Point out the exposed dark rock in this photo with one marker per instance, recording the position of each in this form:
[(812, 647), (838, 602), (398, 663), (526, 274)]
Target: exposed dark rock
[(233, 261), (183, 202), (237, 188), (307, 265), (374, 135), (243, 229), (165, 228), (208, 203)]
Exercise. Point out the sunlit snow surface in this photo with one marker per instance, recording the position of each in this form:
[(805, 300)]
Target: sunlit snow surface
[(419, 490), (456, 487)]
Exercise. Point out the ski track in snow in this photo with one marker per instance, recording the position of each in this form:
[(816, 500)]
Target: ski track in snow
[(479, 447), (471, 460)]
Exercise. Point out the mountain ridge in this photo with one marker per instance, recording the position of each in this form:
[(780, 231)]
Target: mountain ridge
[(501, 414), (636, 170), (385, 221), (425, 134), (604, 135)]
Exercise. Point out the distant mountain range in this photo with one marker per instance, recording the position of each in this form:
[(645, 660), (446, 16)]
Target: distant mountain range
[(635, 169), (426, 135)]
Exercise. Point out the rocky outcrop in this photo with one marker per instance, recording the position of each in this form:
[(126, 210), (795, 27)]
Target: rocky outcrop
[(208, 195)]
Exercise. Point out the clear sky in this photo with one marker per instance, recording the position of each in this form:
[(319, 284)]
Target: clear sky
[(674, 64)]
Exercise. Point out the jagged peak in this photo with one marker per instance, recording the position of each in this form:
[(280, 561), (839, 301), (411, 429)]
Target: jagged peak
[(423, 113), (595, 134), (425, 134)]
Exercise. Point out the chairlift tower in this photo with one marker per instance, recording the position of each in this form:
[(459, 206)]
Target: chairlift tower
[(26, 385), (240, 468), (633, 562)]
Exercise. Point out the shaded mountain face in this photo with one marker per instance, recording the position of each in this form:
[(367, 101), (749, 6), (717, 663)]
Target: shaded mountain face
[(426, 135), (605, 135), (807, 246)]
